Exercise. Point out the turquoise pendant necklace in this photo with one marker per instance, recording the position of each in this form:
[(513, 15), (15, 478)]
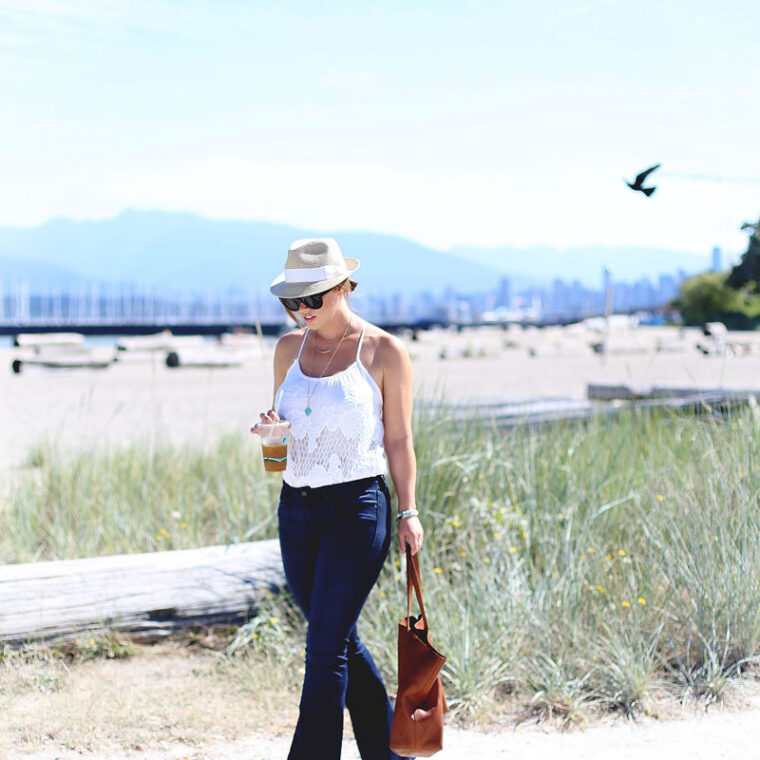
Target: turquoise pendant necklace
[(308, 409)]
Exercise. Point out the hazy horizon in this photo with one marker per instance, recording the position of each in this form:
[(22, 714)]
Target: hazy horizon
[(156, 246), (464, 245)]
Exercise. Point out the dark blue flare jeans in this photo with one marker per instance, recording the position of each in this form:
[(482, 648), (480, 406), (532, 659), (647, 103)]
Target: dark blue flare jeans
[(334, 540)]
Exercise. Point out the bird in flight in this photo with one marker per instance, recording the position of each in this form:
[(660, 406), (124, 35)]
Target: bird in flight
[(640, 179)]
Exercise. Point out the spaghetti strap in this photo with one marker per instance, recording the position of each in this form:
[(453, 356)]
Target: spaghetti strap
[(359, 346), (303, 343)]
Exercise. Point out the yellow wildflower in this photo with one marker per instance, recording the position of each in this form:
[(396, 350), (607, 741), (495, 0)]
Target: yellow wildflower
[(183, 525), (625, 603), (487, 560), (642, 601), (660, 497), (456, 523), (525, 535), (437, 570), (608, 558), (462, 554), (591, 550), (601, 589), (273, 621), (513, 549), (621, 552)]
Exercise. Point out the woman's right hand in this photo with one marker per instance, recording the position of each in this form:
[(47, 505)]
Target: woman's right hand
[(266, 418)]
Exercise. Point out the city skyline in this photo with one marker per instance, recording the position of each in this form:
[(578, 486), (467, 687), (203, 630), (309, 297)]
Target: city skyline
[(114, 303)]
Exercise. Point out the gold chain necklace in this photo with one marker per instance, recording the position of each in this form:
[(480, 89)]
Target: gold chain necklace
[(325, 350), (308, 410)]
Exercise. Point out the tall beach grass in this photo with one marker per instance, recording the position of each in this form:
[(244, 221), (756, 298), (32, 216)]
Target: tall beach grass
[(602, 564), (137, 498)]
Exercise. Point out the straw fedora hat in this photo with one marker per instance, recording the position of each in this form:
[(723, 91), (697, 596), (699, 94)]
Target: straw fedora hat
[(314, 265)]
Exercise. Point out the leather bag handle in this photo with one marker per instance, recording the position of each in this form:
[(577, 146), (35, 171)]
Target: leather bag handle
[(413, 581)]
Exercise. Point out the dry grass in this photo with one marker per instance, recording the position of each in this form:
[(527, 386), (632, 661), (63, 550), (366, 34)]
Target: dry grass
[(160, 695), (183, 698)]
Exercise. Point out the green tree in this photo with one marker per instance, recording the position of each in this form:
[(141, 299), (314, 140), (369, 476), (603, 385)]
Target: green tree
[(704, 296), (746, 274)]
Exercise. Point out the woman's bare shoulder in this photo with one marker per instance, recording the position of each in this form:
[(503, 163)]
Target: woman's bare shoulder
[(288, 345), (386, 346)]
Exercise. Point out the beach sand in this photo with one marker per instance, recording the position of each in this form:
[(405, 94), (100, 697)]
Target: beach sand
[(144, 401)]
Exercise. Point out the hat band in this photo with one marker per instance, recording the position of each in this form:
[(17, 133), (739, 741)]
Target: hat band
[(314, 274)]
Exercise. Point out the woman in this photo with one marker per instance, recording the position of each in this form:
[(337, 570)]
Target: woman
[(345, 386)]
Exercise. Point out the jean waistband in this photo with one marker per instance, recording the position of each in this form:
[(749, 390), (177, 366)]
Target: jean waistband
[(361, 482)]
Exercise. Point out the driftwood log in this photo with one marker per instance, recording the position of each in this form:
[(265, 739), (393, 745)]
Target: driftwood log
[(613, 391), (64, 357), (206, 356), (540, 412), (143, 596)]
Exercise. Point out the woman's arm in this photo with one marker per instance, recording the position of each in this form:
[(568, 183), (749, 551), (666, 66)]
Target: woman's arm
[(397, 420), (283, 358), (284, 354)]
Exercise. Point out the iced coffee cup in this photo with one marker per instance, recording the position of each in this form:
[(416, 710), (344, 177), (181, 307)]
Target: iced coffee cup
[(274, 445)]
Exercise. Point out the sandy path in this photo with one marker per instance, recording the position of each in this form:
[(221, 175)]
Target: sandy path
[(142, 401), (711, 736)]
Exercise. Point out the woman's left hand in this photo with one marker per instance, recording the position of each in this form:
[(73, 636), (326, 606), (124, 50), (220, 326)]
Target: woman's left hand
[(410, 532)]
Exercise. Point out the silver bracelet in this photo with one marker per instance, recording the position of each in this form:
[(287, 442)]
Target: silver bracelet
[(407, 513)]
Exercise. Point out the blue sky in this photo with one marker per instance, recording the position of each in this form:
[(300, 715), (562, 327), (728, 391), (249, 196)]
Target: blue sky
[(481, 123)]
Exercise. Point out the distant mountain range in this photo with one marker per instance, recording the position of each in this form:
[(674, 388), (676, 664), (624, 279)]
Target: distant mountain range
[(185, 250)]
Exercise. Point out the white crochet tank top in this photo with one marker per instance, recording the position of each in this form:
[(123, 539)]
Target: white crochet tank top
[(342, 438)]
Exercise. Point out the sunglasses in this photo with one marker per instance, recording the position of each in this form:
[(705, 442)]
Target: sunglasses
[(310, 302)]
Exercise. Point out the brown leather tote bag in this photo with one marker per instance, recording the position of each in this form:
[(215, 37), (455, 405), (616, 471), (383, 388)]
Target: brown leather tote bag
[(417, 729)]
